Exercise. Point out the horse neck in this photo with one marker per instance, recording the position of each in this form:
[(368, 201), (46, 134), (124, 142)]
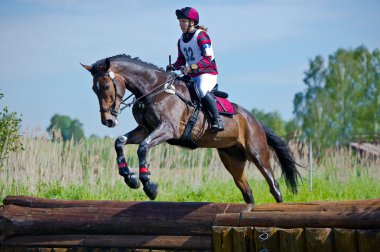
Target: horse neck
[(141, 81)]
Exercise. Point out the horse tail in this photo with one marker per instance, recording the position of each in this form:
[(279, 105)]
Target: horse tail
[(285, 158)]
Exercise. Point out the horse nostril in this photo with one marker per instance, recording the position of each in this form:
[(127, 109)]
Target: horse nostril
[(110, 123)]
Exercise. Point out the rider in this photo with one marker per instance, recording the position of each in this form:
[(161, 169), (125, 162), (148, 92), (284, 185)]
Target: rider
[(195, 49)]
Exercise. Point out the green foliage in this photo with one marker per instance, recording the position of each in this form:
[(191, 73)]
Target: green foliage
[(341, 98), (68, 127), (283, 128), (291, 129), (10, 139), (271, 119)]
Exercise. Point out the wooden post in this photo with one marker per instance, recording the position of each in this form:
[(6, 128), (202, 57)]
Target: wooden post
[(222, 239), (266, 239), (292, 240), (239, 235), (319, 239), (345, 240), (217, 238), (251, 239), (368, 240)]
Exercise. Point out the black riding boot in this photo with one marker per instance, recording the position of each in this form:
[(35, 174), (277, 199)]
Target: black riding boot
[(210, 104)]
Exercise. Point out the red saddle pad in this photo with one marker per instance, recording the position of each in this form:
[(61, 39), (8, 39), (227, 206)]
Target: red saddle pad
[(224, 106)]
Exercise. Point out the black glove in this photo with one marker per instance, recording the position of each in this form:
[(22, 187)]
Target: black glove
[(184, 70), (169, 68)]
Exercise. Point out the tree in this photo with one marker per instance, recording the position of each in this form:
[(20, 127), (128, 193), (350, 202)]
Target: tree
[(271, 119), (69, 128), (291, 129), (10, 139), (342, 98)]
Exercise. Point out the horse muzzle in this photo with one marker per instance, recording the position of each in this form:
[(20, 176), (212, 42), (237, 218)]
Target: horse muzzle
[(109, 120), (111, 123)]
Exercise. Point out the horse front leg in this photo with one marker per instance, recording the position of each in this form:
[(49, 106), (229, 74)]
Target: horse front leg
[(161, 134), (133, 137)]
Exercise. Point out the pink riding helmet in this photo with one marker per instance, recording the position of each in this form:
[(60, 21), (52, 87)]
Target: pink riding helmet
[(189, 13)]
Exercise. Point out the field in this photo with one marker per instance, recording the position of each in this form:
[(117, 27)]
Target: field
[(87, 170)]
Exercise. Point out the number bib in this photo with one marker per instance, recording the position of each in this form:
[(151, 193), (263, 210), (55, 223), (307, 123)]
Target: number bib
[(191, 50)]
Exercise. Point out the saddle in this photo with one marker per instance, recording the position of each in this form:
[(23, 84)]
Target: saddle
[(223, 104)]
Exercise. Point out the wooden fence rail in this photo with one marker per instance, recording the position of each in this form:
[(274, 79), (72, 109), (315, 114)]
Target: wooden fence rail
[(27, 222)]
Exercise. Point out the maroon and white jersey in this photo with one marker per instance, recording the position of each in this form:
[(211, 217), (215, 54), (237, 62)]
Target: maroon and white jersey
[(197, 49)]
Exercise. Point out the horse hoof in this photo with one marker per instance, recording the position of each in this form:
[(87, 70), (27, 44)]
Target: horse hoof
[(151, 190), (132, 181)]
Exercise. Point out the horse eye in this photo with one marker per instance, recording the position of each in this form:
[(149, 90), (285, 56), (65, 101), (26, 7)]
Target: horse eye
[(107, 87)]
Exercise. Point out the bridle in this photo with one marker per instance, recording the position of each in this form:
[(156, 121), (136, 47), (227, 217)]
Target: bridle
[(113, 110)]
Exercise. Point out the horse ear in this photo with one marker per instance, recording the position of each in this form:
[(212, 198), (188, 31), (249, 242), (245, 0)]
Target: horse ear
[(104, 66), (108, 63), (88, 68)]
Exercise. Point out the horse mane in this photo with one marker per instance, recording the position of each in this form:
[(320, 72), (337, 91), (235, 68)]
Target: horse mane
[(127, 59)]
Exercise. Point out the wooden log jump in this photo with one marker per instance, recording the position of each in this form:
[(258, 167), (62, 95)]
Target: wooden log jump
[(350, 214), (34, 222)]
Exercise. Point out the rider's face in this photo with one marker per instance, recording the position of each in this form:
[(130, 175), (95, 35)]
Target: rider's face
[(184, 24)]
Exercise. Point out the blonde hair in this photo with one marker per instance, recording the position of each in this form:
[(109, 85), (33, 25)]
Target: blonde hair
[(201, 27)]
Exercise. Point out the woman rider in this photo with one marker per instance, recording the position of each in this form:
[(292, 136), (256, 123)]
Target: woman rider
[(195, 49)]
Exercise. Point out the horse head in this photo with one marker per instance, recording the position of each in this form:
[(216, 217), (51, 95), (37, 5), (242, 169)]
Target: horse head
[(109, 87)]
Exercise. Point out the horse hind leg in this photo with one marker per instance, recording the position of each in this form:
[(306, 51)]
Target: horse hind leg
[(260, 158), (234, 160)]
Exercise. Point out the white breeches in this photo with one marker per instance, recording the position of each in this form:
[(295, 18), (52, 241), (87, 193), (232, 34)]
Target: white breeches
[(205, 83)]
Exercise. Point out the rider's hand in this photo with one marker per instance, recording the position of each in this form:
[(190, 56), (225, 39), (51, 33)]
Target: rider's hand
[(185, 70), (169, 68)]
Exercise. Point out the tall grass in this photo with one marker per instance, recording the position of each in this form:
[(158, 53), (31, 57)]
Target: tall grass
[(87, 170)]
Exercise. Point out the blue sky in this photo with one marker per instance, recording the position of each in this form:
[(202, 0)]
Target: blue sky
[(262, 49)]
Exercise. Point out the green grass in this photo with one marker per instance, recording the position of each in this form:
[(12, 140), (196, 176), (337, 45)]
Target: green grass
[(211, 191), (88, 171)]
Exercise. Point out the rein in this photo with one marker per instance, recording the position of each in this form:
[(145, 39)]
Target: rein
[(141, 97), (116, 111)]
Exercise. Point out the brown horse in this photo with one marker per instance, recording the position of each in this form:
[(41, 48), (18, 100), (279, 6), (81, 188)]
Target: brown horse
[(162, 116)]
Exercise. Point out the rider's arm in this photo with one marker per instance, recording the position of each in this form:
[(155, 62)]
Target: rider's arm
[(181, 61), (204, 43)]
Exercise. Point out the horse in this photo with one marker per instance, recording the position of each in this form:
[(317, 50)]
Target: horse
[(162, 116)]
